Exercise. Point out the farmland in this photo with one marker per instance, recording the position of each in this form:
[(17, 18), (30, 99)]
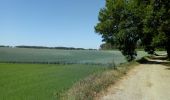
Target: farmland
[(24, 55), (40, 81), (42, 74)]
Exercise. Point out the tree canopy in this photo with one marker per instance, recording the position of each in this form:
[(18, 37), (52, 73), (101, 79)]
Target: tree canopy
[(126, 22)]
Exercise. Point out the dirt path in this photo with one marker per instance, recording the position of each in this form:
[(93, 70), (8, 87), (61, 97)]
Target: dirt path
[(144, 82)]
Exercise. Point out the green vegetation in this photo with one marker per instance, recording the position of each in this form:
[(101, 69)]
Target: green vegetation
[(40, 81), (43, 47), (127, 23), (50, 56), (47, 81), (108, 46), (88, 88), (49, 73), (24, 55)]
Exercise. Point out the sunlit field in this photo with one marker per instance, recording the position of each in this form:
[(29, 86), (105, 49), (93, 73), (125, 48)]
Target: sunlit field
[(40, 81), (48, 56), (42, 74)]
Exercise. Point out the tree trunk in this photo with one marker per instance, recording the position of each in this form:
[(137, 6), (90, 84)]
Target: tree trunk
[(168, 52), (168, 48)]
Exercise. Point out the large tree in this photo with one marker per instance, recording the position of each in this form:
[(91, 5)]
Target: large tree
[(119, 24), (164, 28), (157, 25), (125, 22)]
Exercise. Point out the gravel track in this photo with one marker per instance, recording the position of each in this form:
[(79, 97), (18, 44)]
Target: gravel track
[(144, 82)]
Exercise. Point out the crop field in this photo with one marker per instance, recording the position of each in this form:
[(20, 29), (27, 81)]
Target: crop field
[(24, 55), (40, 81), (42, 74)]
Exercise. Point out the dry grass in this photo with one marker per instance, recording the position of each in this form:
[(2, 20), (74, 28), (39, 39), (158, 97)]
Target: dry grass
[(88, 88)]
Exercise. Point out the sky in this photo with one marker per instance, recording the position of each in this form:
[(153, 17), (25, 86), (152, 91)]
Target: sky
[(51, 23)]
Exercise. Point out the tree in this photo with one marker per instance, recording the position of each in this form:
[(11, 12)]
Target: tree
[(126, 22), (164, 28), (108, 46), (157, 29), (119, 25)]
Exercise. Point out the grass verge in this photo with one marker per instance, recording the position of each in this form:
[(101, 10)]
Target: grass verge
[(88, 88)]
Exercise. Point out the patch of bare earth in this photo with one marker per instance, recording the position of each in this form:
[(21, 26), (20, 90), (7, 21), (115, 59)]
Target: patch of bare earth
[(144, 82)]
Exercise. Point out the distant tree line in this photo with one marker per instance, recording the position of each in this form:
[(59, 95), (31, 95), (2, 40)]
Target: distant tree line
[(44, 47), (5, 46), (125, 23)]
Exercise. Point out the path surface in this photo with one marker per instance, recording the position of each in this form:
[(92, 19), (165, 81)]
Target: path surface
[(144, 82)]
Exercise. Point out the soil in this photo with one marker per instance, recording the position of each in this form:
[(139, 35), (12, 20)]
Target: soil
[(144, 82)]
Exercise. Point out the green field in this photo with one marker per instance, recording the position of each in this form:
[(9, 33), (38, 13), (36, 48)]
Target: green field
[(57, 56), (24, 55), (56, 72), (40, 81)]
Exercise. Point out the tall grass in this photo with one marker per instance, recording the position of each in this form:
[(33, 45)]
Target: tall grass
[(88, 88)]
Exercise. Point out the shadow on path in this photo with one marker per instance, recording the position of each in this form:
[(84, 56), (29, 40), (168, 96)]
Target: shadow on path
[(155, 60), (168, 68)]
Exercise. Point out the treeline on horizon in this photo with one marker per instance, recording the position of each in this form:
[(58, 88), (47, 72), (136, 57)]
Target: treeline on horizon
[(44, 47)]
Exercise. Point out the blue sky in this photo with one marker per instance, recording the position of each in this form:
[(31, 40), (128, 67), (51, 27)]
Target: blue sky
[(50, 22)]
